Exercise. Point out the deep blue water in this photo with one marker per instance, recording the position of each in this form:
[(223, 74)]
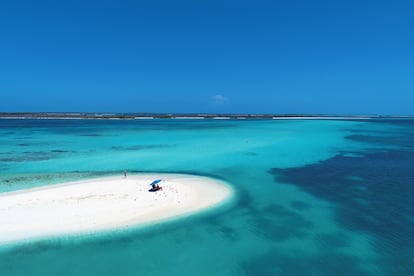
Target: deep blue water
[(317, 197)]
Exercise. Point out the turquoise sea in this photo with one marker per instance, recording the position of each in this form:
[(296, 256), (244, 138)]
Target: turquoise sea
[(312, 197)]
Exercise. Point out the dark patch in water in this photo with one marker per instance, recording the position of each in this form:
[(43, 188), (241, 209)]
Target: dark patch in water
[(42, 178), (24, 138), (299, 205), (105, 241), (244, 199), (278, 223), (403, 141), (230, 233), (378, 205), (230, 170), (274, 262), (31, 156), (273, 222), (140, 147), (37, 247), (251, 153), (23, 145), (332, 241), (372, 191), (62, 151), (90, 135), (25, 159), (401, 136)]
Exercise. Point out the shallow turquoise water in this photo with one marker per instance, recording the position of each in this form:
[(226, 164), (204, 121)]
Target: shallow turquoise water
[(288, 215)]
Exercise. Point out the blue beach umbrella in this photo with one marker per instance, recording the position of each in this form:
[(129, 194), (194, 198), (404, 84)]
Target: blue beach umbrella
[(155, 182)]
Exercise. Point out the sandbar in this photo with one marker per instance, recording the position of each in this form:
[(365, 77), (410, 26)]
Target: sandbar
[(104, 203)]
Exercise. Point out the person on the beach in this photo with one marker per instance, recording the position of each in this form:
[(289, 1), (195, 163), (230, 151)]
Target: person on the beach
[(125, 174)]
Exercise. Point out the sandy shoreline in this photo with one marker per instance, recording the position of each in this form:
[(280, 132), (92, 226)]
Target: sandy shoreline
[(104, 203)]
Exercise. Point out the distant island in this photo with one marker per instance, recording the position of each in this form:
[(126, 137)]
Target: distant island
[(137, 116)]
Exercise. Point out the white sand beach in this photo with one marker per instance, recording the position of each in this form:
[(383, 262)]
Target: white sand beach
[(103, 204)]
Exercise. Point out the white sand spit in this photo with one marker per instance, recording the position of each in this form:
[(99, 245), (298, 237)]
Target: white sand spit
[(103, 204)]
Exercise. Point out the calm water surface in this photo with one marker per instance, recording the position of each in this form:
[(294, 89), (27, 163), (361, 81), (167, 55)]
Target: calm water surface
[(313, 197)]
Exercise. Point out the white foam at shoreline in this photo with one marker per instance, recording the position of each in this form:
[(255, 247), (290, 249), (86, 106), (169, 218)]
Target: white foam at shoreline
[(104, 204)]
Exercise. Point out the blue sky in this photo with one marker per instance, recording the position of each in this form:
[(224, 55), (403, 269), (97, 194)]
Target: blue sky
[(325, 57)]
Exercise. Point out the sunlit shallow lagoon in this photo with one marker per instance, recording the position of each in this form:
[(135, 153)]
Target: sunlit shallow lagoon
[(312, 197)]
